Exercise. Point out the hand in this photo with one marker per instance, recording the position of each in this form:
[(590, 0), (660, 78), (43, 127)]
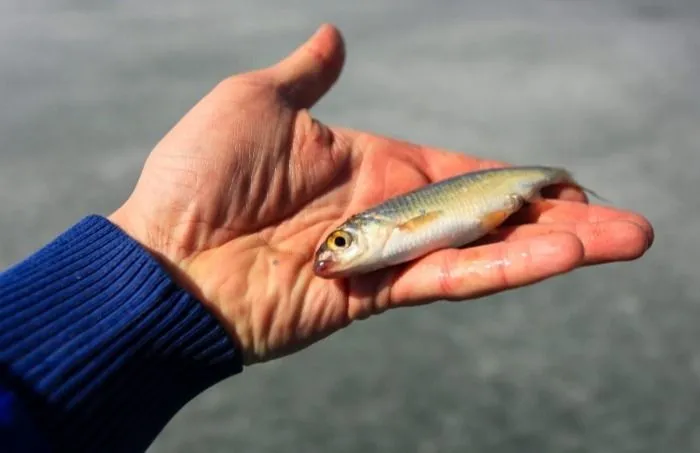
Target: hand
[(238, 195)]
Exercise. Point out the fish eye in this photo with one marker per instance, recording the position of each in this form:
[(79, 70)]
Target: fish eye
[(339, 240)]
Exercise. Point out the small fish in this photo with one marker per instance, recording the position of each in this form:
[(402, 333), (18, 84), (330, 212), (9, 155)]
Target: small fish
[(447, 214)]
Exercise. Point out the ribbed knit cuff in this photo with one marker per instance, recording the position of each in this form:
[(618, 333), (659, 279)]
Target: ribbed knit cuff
[(101, 343)]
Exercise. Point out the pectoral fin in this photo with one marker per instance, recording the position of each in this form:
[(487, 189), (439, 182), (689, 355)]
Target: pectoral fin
[(495, 219), (420, 221)]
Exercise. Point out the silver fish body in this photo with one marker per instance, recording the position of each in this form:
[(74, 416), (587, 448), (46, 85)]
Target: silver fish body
[(450, 213)]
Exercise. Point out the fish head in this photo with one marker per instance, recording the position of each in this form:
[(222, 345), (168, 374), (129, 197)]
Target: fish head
[(354, 247)]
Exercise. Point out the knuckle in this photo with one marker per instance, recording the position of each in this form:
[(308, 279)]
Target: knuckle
[(501, 267), (445, 279), (310, 133)]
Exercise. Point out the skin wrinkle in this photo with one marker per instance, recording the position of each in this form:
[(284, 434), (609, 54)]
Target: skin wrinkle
[(277, 306), (187, 210), (335, 180), (259, 313), (499, 264), (280, 169), (390, 302), (240, 197), (445, 278), (200, 216), (242, 330), (380, 301), (232, 189), (503, 266), (274, 311), (343, 165), (254, 160), (215, 289), (373, 294), (299, 287), (291, 241), (229, 191), (263, 196), (305, 157), (276, 186), (358, 310), (282, 309), (307, 163), (330, 311), (368, 295), (272, 306), (279, 181)]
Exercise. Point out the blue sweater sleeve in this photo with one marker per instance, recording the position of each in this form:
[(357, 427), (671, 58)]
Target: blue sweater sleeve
[(99, 348)]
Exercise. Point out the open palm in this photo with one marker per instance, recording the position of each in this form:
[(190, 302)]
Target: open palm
[(237, 197)]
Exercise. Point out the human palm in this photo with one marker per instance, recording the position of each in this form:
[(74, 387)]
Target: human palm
[(237, 197)]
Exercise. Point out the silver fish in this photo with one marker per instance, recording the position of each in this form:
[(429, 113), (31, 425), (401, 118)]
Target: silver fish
[(447, 214)]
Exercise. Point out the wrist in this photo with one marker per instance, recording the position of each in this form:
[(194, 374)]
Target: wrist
[(133, 225), (151, 238), (184, 270)]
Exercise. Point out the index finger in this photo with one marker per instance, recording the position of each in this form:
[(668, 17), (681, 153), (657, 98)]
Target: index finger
[(439, 164), (461, 274), (445, 163)]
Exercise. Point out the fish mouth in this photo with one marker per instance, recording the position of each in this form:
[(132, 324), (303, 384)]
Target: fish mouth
[(325, 265), (330, 269)]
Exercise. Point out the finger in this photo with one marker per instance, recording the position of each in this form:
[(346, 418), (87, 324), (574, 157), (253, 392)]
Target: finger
[(306, 74), (558, 211), (473, 272), (439, 164), (444, 164), (565, 193), (603, 242), (436, 163)]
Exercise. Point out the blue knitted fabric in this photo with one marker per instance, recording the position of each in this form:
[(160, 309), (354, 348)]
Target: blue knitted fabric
[(99, 348)]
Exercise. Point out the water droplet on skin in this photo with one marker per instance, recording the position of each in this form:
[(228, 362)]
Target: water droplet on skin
[(497, 263), (476, 267)]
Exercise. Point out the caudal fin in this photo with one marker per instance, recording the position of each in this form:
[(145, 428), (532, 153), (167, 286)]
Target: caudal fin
[(590, 192), (569, 180)]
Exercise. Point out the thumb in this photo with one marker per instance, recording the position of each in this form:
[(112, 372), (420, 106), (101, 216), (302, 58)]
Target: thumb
[(306, 74)]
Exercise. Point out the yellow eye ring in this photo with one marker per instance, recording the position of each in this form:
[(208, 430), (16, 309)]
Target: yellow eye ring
[(339, 240)]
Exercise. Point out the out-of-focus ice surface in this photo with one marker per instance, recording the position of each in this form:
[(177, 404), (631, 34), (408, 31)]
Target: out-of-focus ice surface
[(604, 359)]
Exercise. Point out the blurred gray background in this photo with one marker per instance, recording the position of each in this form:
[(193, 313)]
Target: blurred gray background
[(602, 360)]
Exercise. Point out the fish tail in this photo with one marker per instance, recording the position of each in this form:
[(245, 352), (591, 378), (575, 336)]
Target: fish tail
[(565, 177)]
